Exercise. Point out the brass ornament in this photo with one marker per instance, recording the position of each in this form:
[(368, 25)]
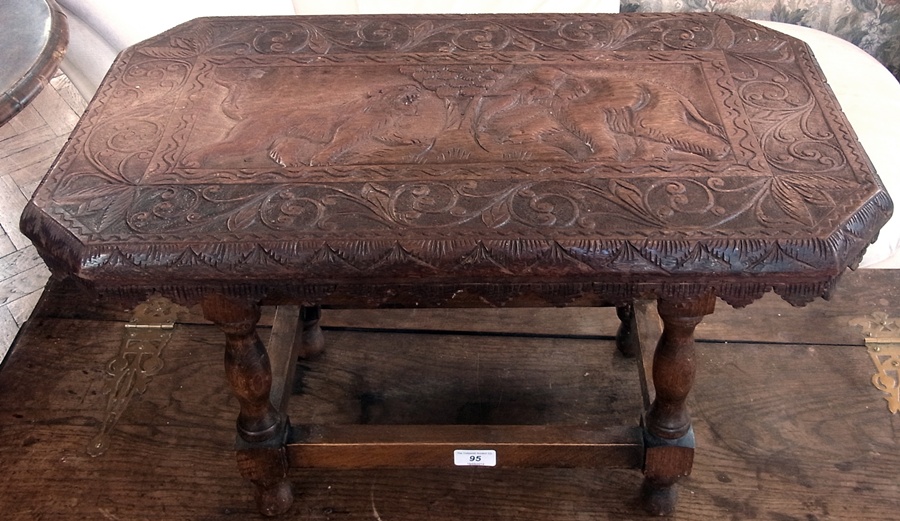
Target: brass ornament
[(138, 361), (882, 337)]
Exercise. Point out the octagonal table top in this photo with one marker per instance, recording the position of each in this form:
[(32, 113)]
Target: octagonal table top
[(649, 149)]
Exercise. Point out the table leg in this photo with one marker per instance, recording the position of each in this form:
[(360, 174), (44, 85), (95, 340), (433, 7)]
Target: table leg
[(668, 435), (261, 427), (312, 341), (625, 336)]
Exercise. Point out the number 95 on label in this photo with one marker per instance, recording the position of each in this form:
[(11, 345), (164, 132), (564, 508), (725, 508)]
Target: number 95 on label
[(475, 458)]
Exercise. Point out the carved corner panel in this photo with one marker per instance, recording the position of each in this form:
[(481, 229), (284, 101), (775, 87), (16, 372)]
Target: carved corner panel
[(521, 146)]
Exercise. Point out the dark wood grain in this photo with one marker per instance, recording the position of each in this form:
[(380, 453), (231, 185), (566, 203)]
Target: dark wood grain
[(433, 446), (813, 439)]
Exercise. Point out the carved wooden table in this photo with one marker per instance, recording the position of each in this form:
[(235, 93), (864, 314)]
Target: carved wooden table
[(459, 161)]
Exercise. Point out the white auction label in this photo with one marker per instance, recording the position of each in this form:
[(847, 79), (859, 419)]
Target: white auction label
[(475, 458)]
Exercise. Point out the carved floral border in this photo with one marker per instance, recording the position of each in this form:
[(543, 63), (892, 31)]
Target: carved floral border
[(821, 182)]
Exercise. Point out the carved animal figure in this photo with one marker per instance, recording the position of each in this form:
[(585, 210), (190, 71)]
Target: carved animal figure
[(521, 118), (592, 116), (646, 110), (392, 123)]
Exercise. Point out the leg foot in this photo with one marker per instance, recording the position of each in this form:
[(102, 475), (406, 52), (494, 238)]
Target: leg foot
[(274, 499), (665, 462), (267, 469), (668, 435), (658, 499), (262, 428), (311, 339), (625, 337)]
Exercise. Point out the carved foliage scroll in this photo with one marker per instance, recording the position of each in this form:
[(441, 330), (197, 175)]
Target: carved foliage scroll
[(666, 135)]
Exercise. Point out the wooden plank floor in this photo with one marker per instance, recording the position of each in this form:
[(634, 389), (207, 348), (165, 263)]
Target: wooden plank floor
[(789, 426), (28, 145)]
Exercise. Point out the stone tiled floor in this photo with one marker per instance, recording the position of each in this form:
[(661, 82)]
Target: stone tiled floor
[(28, 145)]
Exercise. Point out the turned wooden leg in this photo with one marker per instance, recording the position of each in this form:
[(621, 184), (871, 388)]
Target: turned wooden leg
[(668, 436), (625, 337), (311, 339), (261, 427)]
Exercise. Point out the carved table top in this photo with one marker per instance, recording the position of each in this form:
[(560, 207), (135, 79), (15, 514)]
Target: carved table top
[(622, 155)]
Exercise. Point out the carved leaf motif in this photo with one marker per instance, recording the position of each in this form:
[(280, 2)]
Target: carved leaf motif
[(379, 200), (791, 202), (520, 41), (243, 218), (204, 39), (621, 30), (724, 35), (497, 215), (793, 194), (188, 44), (180, 47), (97, 207), (627, 192), (630, 196), (815, 188), (318, 43), (423, 30)]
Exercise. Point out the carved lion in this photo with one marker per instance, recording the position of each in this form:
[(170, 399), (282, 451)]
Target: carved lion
[(394, 123)]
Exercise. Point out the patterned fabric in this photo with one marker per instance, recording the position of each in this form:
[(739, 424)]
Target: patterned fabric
[(873, 25)]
